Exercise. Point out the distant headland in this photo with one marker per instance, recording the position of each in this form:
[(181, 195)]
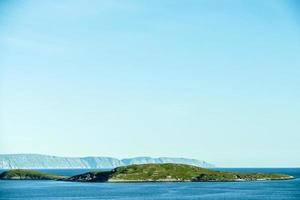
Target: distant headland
[(39, 161)]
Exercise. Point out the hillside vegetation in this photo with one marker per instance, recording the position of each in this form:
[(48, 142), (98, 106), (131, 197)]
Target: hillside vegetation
[(22, 174), (171, 172)]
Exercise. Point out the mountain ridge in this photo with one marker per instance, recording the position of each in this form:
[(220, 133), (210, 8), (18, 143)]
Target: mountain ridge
[(41, 161)]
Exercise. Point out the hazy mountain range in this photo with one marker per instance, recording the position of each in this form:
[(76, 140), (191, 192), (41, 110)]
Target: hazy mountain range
[(38, 161)]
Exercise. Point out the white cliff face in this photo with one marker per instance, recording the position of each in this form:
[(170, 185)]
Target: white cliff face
[(37, 161)]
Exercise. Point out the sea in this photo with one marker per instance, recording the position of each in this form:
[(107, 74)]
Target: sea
[(257, 190)]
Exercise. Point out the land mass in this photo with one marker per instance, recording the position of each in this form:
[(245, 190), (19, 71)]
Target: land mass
[(40, 161), (167, 172), (24, 174)]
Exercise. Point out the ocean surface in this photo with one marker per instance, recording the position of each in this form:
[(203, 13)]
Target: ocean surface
[(259, 190)]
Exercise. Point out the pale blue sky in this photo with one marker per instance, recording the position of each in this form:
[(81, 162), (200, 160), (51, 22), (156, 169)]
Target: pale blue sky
[(211, 80)]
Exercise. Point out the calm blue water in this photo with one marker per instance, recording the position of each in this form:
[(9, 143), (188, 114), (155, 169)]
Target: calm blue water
[(264, 190)]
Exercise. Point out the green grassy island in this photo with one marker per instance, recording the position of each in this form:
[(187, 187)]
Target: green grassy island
[(24, 174), (147, 173), (171, 173)]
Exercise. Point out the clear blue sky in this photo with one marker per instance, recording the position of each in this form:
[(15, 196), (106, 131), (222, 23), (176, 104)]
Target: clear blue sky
[(211, 80)]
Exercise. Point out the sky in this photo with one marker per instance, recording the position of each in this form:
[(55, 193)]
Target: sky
[(212, 80)]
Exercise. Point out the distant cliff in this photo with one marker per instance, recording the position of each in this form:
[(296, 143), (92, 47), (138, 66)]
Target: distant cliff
[(38, 161)]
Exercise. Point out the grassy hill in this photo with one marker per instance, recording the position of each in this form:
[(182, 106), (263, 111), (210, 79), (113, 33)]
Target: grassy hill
[(147, 173), (22, 174), (170, 172)]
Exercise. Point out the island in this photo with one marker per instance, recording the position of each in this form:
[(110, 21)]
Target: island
[(148, 173), (24, 174)]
